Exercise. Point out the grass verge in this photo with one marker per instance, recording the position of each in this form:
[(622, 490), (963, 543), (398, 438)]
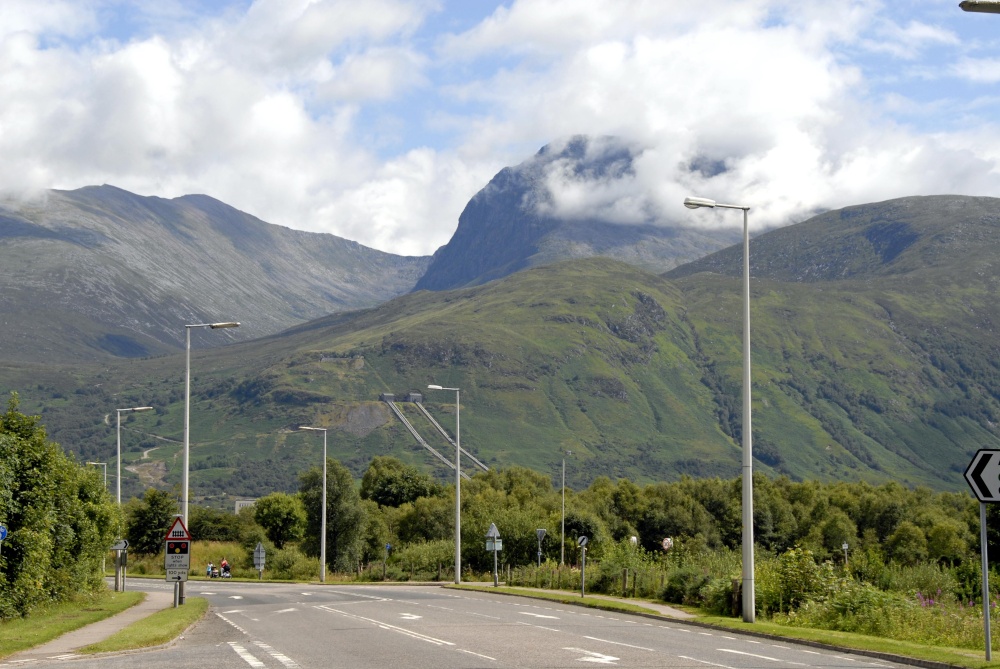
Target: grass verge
[(157, 629), (44, 625), (958, 657)]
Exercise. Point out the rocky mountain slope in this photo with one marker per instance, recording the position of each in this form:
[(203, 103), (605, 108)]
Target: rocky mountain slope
[(511, 224), (100, 271), (874, 358)]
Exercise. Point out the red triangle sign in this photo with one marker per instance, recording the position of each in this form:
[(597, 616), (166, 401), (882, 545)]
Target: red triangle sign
[(178, 531)]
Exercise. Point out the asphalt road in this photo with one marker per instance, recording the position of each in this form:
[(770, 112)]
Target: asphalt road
[(278, 626)]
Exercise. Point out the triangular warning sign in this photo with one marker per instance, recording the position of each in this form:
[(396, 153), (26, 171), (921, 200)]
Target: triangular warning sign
[(177, 531)]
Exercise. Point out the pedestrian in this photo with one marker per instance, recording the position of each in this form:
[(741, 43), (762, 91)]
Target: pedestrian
[(208, 570)]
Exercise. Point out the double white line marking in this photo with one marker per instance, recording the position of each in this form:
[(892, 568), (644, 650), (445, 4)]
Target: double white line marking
[(252, 660)]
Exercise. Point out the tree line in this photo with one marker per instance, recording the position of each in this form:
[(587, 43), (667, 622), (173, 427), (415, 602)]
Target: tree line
[(61, 520), (395, 504)]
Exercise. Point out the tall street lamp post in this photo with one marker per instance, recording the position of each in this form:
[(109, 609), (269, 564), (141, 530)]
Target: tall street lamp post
[(458, 482), (322, 514), (749, 604), (562, 535), (118, 478), (187, 425)]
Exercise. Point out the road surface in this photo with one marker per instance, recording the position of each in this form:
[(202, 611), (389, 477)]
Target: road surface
[(287, 626)]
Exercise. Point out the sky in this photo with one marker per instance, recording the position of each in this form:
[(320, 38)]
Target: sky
[(378, 120)]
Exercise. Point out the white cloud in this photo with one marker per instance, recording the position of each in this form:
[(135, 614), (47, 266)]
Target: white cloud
[(369, 121)]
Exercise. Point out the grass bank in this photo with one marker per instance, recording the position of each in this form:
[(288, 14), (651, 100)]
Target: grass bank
[(48, 623), (159, 628)]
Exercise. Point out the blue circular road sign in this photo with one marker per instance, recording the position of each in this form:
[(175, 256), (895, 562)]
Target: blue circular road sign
[(3, 532)]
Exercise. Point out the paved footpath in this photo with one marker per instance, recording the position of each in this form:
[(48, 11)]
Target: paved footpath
[(64, 647)]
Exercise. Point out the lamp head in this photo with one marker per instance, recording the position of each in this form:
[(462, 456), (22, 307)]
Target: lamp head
[(434, 388), (985, 6), (698, 202), (216, 326)]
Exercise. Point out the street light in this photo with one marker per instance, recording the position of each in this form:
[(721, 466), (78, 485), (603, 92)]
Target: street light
[(322, 515), (118, 478), (105, 465), (984, 6), (458, 483), (187, 424), (749, 604), (562, 536)]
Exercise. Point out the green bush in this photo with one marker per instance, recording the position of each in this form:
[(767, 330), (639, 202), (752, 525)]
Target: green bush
[(289, 563), (720, 596), (794, 577), (685, 585)]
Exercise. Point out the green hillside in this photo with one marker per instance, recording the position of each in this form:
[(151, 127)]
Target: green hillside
[(889, 374)]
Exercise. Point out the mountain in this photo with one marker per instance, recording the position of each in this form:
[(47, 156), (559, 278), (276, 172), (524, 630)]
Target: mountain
[(511, 224), (100, 272), (874, 359)]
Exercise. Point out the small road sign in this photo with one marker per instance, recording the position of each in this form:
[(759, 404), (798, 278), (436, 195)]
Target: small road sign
[(3, 532), (178, 555), (258, 557), (582, 542), (177, 575), (983, 475), (493, 532), (119, 545)]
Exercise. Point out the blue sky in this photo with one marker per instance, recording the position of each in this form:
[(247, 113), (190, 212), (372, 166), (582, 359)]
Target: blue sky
[(378, 120)]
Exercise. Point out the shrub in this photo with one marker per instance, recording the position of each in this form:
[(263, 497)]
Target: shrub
[(685, 585), (783, 583)]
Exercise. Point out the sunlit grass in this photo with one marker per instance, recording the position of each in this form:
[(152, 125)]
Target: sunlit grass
[(157, 629), (44, 625)]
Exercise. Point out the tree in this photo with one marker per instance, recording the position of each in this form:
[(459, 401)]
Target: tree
[(149, 520), (59, 516), (345, 517), (390, 482), (207, 524), (908, 545), (282, 516)]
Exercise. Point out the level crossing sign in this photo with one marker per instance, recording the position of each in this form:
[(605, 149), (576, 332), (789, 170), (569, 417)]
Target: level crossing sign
[(178, 549)]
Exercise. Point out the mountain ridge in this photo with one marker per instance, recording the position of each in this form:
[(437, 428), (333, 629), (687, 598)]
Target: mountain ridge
[(882, 376), (509, 226), (120, 273)]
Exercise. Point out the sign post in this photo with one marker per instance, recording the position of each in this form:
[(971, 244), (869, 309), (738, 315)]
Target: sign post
[(495, 544), (120, 547), (582, 542), (177, 556), (983, 476), (258, 560), (540, 532)]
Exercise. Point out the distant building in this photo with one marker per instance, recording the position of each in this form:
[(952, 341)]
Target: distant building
[(414, 397), (387, 397), (243, 503)]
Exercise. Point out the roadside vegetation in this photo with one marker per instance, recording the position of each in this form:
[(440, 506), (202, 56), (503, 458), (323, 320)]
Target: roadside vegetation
[(909, 572), (59, 517), (55, 619)]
